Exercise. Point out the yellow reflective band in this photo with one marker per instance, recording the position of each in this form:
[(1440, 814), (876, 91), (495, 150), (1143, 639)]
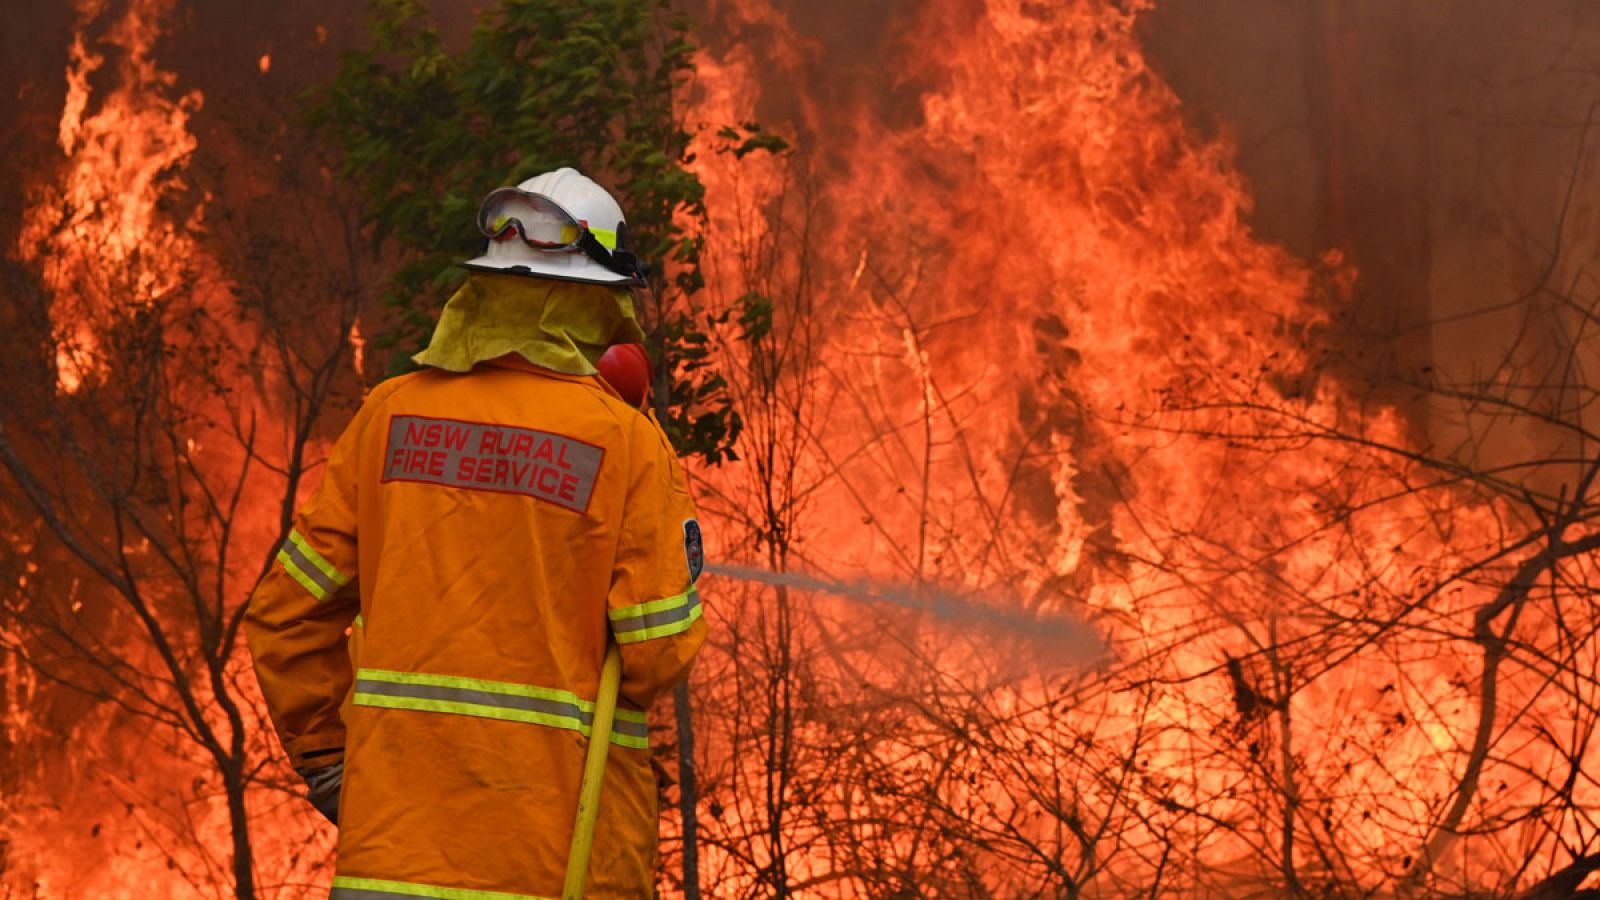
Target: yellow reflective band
[(630, 729), (346, 887), (299, 576), (607, 239), (661, 631), (316, 559), (474, 684), (629, 741), (658, 618), (307, 567), (493, 700), (481, 711), (676, 601)]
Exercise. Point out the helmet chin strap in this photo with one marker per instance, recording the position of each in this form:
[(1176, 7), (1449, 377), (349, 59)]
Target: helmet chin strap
[(620, 261)]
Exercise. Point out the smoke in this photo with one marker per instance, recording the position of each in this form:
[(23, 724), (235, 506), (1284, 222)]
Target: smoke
[(1070, 641)]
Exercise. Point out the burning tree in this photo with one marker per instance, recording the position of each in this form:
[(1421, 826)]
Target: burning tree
[(1326, 629), (999, 322), (164, 411)]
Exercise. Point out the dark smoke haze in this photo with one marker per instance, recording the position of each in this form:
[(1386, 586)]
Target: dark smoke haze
[(1441, 146)]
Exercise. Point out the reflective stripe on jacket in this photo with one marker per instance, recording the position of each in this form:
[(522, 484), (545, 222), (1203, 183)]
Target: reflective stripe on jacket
[(479, 536)]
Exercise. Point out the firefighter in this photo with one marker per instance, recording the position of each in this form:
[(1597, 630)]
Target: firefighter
[(430, 637)]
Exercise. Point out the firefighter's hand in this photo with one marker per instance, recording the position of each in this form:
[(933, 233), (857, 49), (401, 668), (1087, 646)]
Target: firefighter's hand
[(323, 789)]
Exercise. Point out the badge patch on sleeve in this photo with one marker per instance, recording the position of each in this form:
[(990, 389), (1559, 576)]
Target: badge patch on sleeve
[(694, 549)]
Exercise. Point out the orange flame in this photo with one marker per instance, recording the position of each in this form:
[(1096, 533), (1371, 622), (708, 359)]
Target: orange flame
[(109, 241), (1043, 236), (123, 159), (1038, 349)]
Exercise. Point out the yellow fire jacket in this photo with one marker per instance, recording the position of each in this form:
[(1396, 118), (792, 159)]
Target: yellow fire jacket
[(479, 537)]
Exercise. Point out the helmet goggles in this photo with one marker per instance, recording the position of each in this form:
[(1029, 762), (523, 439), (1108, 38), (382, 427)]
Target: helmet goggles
[(541, 223)]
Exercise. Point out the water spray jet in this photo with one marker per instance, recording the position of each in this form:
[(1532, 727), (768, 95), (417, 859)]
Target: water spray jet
[(1077, 642)]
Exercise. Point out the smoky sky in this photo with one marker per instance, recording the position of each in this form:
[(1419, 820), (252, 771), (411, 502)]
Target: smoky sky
[(860, 56)]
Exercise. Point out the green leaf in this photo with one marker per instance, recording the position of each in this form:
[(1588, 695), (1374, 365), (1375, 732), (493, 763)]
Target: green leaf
[(425, 130)]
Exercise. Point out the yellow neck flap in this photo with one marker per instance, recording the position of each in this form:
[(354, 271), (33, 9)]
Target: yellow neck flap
[(559, 325)]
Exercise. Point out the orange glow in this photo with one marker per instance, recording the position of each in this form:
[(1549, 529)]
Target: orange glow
[(111, 248), (1048, 238), (1024, 343), (358, 350), (101, 214)]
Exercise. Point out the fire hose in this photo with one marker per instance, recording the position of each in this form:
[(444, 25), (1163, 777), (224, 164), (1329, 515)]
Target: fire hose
[(594, 774), (626, 368)]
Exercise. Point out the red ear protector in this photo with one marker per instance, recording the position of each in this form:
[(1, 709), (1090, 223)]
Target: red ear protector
[(627, 369)]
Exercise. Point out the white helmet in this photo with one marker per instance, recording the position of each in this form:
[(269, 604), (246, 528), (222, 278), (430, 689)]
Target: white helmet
[(557, 225)]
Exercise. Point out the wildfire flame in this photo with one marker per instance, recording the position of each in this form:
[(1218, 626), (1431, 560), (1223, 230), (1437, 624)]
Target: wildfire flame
[(114, 235), (1032, 348), (1043, 234), (125, 152)]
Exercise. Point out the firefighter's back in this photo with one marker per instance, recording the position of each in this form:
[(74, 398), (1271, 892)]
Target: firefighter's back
[(490, 505), (429, 638)]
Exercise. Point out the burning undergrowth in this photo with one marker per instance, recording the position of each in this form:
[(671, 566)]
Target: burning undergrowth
[(999, 322)]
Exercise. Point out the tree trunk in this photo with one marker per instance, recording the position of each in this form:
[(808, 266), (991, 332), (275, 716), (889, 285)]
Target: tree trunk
[(688, 793), (234, 783)]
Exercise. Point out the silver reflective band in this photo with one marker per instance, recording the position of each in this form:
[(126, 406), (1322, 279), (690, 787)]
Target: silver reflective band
[(306, 566), (665, 617), (493, 700), (346, 887), (467, 696), (661, 618)]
